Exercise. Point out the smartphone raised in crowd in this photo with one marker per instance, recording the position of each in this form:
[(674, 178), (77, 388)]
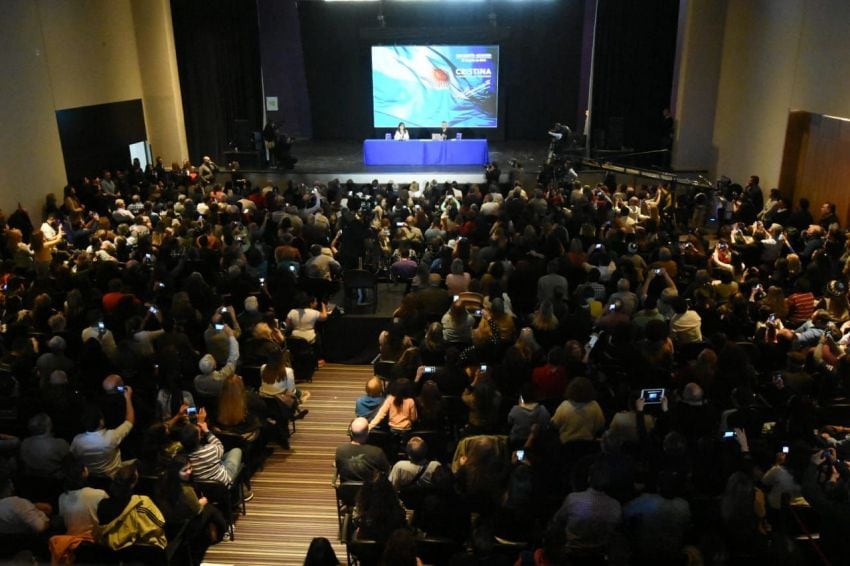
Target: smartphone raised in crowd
[(652, 396)]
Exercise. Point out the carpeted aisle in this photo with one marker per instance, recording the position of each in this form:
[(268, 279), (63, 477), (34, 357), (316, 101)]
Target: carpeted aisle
[(294, 500)]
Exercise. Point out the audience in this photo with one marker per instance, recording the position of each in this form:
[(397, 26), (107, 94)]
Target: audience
[(585, 348)]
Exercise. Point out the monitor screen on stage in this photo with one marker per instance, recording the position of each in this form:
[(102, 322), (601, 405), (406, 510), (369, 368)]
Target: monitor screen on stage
[(424, 85)]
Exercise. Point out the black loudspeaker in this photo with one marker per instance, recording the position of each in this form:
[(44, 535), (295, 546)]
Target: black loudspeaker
[(614, 134), (242, 134)]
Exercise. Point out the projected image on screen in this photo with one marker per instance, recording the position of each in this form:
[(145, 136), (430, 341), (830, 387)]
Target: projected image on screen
[(424, 85)]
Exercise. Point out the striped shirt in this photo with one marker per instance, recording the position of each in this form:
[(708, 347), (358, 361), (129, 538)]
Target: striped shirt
[(801, 307), (206, 462)]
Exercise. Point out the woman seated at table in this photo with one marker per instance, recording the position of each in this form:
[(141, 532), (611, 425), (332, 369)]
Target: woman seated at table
[(401, 133)]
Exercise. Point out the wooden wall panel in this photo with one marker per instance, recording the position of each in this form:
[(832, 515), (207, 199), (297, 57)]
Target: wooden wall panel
[(816, 162)]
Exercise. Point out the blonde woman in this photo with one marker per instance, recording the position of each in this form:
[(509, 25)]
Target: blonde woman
[(545, 325), (21, 253), (233, 415), (795, 267)]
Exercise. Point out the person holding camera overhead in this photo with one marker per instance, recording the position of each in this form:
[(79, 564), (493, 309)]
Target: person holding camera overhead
[(401, 133)]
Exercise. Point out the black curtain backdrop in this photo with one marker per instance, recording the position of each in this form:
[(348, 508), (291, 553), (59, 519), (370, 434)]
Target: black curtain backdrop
[(95, 138), (218, 60), (633, 69), (540, 52)]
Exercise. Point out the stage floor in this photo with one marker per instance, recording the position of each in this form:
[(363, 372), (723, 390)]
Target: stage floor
[(326, 160)]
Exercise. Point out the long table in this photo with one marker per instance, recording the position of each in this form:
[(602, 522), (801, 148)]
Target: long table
[(425, 152)]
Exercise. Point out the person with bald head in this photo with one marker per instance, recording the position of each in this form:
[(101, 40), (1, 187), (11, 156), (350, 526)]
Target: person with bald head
[(356, 460), (207, 170)]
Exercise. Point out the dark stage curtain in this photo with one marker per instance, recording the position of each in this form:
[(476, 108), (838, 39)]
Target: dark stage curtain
[(633, 70), (539, 50), (218, 61)]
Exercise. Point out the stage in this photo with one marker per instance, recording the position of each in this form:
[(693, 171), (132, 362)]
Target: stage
[(327, 160)]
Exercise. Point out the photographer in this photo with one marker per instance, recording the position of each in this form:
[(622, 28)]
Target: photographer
[(826, 486), (492, 173), (207, 171), (282, 151)]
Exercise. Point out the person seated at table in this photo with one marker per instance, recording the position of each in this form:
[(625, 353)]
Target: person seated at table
[(444, 132), (401, 133)]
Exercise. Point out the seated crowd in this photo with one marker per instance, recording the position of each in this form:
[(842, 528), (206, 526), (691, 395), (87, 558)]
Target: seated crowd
[(144, 364), (587, 375), (149, 326)]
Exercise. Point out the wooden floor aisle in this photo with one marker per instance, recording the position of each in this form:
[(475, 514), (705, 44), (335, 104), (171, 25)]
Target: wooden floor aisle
[(294, 500)]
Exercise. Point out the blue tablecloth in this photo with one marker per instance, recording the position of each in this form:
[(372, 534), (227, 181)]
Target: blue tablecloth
[(425, 152)]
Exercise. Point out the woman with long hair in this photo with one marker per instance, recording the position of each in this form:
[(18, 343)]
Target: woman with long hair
[(483, 399), (265, 341), (407, 365), (233, 414), (401, 133), (176, 498), (321, 553), (400, 550), (774, 302), (430, 407), (71, 204), (409, 317), (42, 249), (518, 362), (502, 319), (277, 382), (278, 379), (546, 325), (17, 249), (433, 346), (399, 406), (378, 511), (392, 343)]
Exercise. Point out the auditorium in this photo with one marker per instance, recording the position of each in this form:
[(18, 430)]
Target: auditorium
[(425, 282)]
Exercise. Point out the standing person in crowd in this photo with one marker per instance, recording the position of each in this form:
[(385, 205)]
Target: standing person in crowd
[(98, 447)]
